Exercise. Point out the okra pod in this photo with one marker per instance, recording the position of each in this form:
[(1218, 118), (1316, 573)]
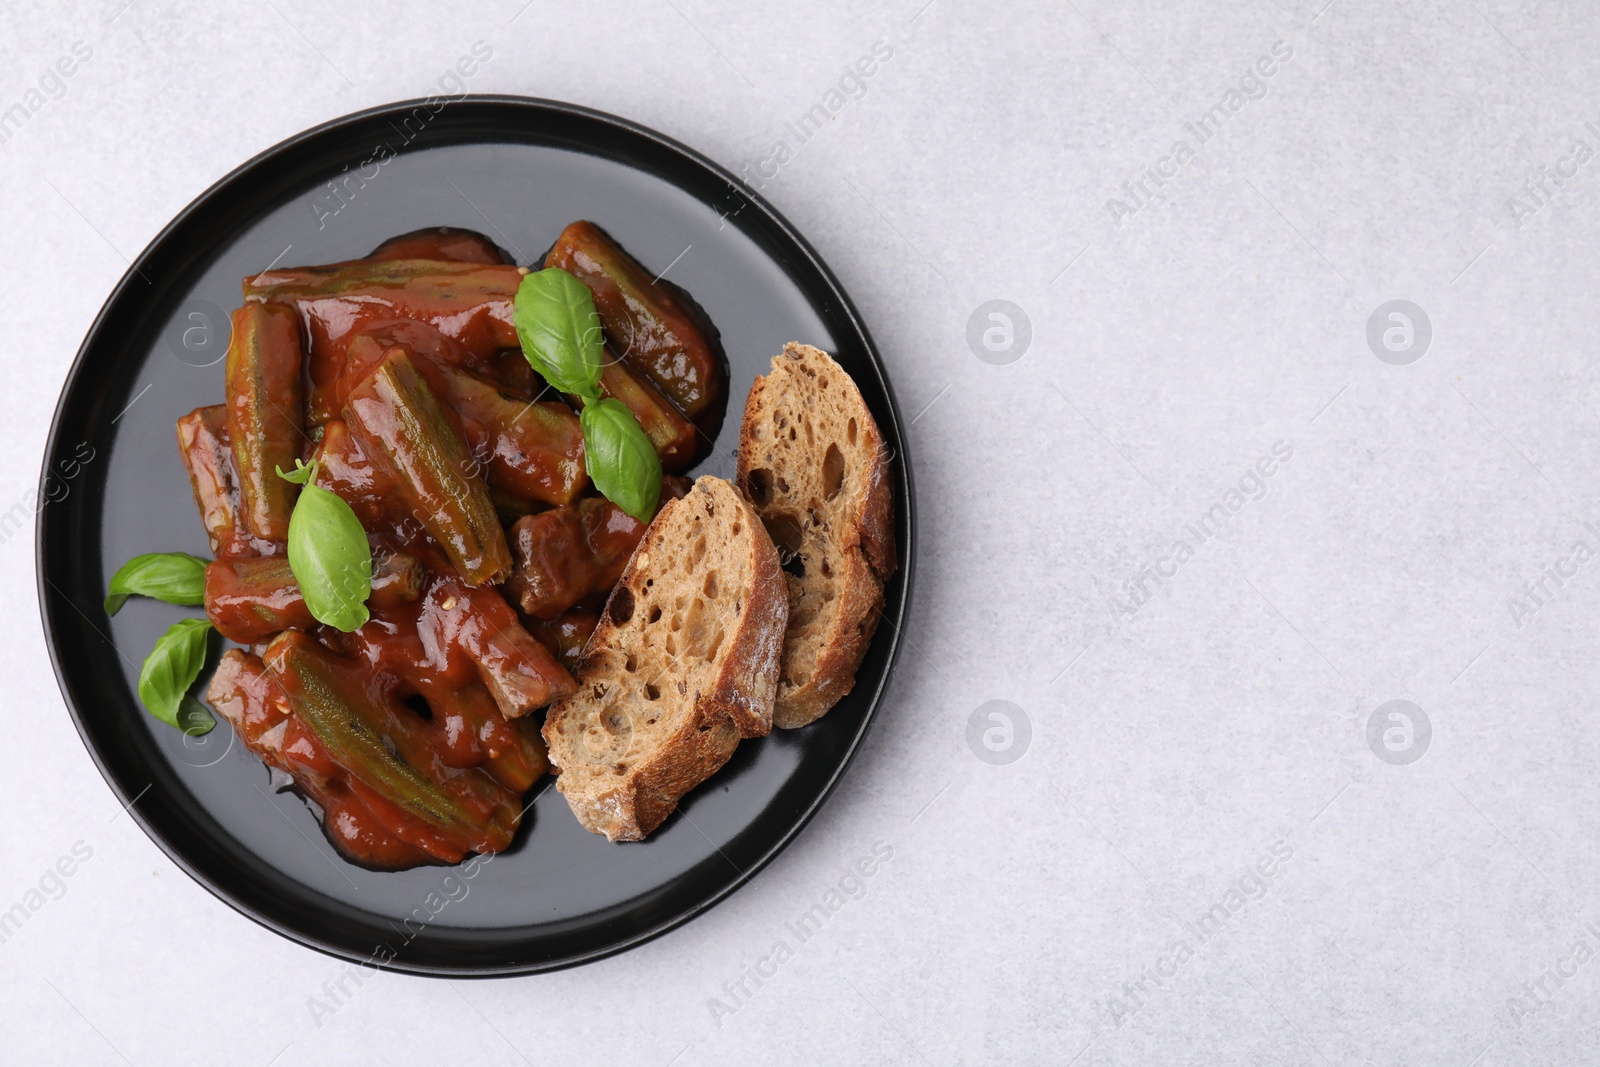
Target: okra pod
[(532, 450), (334, 377), (245, 693), (368, 736), (250, 600), (402, 427), (651, 324), (392, 822), (266, 420), (673, 436), (471, 303)]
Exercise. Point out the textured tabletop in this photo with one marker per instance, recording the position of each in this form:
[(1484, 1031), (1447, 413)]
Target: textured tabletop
[(1246, 707)]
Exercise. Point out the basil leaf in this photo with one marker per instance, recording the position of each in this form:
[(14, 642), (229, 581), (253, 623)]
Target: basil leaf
[(560, 331), (329, 554), (194, 718), (176, 577), (620, 459), (170, 669)]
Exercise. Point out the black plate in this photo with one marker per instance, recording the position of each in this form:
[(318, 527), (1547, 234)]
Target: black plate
[(517, 170)]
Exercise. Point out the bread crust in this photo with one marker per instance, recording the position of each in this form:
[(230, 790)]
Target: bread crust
[(846, 643), (736, 703), (851, 536)]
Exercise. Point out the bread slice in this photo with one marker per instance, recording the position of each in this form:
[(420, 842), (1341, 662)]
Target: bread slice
[(812, 461), (683, 663)]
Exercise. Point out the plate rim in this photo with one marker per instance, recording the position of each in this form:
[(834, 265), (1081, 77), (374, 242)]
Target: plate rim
[(533, 107)]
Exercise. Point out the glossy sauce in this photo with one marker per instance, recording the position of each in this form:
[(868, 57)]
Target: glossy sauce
[(445, 672)]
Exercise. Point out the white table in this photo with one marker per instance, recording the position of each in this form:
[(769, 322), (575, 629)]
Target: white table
[(1196, 718)]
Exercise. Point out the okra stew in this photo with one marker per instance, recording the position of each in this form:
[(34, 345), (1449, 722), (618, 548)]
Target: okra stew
[(428, 469)]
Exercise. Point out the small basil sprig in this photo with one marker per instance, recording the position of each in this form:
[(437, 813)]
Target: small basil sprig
[(328, 553), (561, 337), (170, 670), (176, 577)]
